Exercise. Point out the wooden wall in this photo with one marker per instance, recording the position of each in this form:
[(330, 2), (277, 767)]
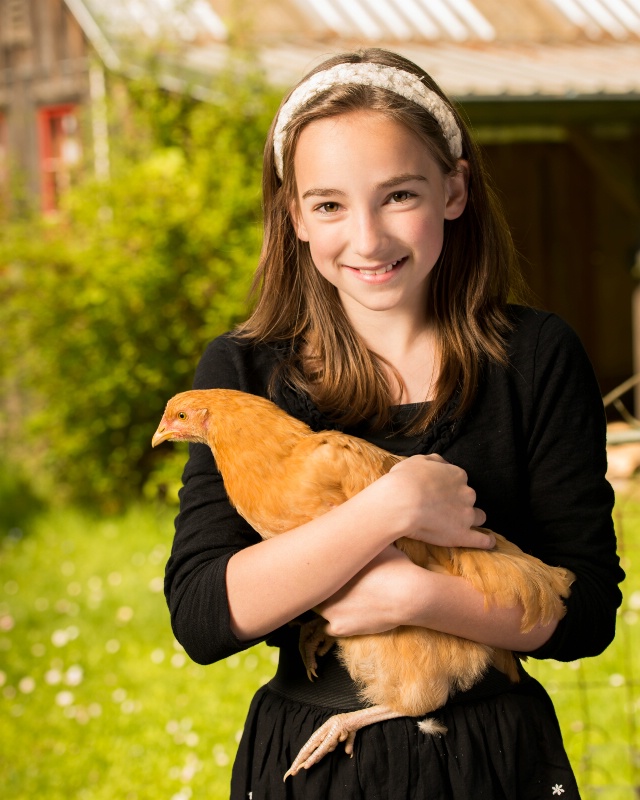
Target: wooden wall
[(577, 244), (43, 62)]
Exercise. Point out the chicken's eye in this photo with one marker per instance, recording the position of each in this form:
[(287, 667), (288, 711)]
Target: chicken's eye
[(182, 415)]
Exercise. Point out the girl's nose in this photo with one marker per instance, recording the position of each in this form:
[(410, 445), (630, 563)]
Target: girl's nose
[(368, 238)]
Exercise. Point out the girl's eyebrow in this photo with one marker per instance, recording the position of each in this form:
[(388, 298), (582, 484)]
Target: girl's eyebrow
[(322, 193), (396, 180)]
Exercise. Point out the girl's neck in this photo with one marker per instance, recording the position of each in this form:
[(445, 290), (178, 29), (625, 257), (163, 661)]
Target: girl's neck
[(411, 350), (395, 331)]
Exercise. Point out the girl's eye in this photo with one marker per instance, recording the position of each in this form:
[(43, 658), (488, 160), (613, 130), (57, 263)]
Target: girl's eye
[(329, 208), (400, 197)]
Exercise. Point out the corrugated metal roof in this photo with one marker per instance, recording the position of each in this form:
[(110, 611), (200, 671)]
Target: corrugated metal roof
[(136, 20), (372, 20), (472, 68), (595, 18), (497, 72), (464, 20), (534, 71), (375, 20)]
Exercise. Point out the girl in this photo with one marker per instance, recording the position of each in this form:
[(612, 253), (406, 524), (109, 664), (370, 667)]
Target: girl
[(382, 311)]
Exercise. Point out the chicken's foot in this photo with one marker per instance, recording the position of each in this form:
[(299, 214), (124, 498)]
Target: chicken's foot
[(314, 641), (339, 728)]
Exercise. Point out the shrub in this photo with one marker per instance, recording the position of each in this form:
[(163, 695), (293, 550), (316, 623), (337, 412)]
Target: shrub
[(106, 309)]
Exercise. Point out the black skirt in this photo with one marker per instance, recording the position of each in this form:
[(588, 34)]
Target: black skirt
[(503, 742)]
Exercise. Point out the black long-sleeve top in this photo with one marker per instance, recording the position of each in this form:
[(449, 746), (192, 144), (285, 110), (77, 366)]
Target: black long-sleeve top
[(533, 446)]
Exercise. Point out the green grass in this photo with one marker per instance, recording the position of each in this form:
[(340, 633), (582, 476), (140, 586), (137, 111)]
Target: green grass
[(598, 699), (98, 701)]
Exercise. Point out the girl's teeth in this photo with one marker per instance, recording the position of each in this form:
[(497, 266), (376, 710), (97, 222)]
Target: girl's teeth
[(380, 271)]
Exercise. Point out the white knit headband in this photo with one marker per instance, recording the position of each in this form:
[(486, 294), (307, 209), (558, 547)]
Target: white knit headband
[(396, 80)]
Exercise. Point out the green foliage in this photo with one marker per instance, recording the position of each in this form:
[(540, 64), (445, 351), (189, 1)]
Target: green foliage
[(106, 310), (18, 502)]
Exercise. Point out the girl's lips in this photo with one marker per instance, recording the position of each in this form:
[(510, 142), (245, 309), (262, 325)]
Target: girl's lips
[(378, 272)]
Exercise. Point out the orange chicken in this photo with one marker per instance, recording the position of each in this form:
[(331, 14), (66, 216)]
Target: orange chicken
[(279, 474)]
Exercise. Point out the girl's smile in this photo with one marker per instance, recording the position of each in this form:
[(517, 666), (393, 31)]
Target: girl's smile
[(371, 203), (371, 273)]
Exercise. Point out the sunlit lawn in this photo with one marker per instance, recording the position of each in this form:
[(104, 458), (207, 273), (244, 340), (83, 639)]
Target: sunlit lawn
[(97, 700), (598, 699)]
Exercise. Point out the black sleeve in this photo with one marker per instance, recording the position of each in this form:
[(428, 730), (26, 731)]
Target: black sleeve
[(208, 532), (571, 500)]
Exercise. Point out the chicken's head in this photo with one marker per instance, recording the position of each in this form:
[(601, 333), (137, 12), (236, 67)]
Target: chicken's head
[(184, 420)]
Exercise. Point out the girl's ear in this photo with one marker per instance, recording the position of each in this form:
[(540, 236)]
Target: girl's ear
[(297, 222), (457, 190)]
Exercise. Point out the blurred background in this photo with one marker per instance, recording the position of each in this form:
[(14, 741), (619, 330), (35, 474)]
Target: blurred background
[(131, 136)]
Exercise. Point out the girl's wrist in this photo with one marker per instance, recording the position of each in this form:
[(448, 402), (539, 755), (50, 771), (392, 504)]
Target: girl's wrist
[(381, 509), (392, 508), (416, 600)]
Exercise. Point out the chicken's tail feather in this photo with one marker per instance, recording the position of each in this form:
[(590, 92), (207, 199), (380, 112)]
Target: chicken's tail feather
[(432, 727)]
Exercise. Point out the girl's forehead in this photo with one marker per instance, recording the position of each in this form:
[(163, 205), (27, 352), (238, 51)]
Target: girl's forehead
[(349, 138), (358, 118)]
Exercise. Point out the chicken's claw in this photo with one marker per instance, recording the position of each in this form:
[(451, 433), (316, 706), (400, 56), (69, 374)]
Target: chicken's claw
[(314, 641), (339, 728)]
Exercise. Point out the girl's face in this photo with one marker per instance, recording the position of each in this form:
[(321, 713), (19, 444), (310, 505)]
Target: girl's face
[(371, 202)]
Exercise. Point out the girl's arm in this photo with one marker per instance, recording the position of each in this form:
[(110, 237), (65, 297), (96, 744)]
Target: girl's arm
[(392, 591), (278, 579)]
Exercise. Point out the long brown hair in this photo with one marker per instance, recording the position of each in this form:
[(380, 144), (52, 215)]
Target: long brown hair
[(467, 291)]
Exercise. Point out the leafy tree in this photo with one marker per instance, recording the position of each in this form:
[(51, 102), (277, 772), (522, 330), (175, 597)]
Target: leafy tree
[(106, 309)]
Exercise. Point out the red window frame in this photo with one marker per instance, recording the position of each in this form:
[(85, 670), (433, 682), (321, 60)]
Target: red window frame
[(56, 162)]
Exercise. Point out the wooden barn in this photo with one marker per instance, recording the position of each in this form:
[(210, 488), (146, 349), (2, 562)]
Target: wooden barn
[(551, 87)]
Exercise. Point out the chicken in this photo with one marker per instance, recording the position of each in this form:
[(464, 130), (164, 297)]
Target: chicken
[(279, 474)]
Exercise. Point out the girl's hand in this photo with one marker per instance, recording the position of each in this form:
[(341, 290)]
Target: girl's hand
[(434, 503), (372, 600)]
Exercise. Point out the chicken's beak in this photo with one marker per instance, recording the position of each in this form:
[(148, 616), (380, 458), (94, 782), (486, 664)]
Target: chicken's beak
[(161, 435)]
